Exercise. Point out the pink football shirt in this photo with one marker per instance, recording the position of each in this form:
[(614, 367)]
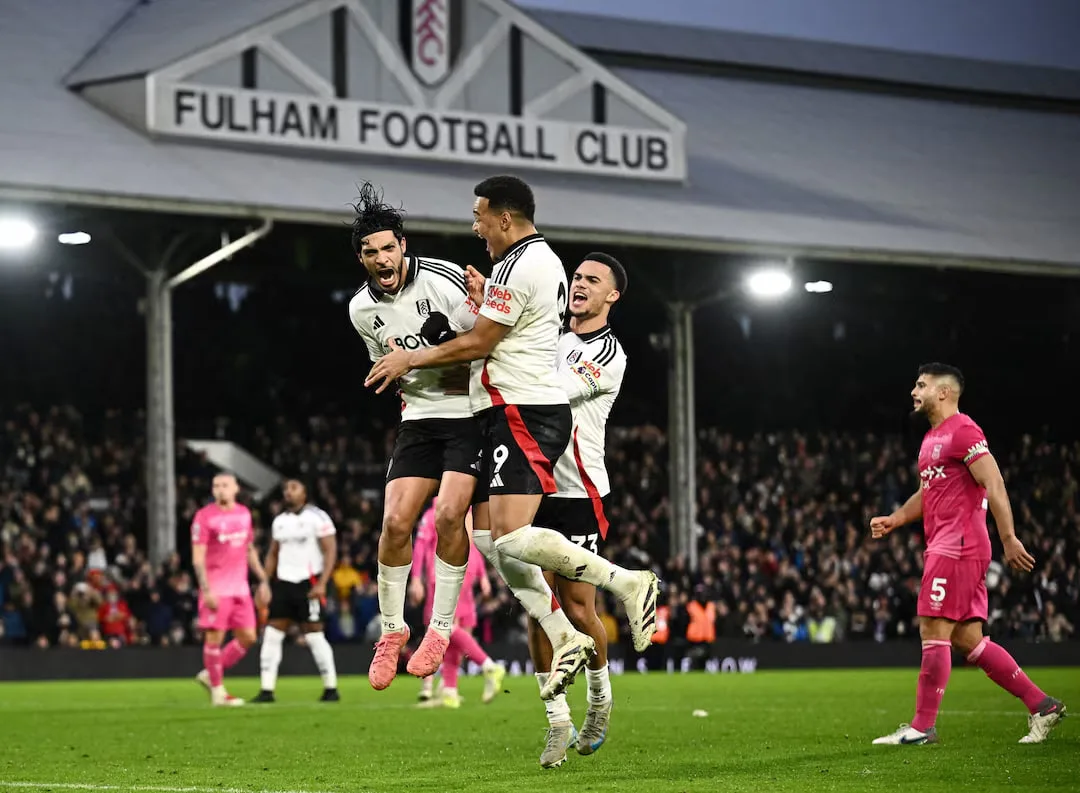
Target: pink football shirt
[(424, 567), (226, 533), (954, 504)]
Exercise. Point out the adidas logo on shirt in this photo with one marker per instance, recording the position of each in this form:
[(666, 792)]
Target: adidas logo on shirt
[(378, 322)]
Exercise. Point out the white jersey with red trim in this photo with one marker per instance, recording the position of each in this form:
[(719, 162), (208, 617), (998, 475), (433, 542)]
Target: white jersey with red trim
[(591, 368), (297, 535), (431, 285), (527, 291)]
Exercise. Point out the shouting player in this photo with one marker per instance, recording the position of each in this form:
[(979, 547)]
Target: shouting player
[(462, 643), (303, 552), (222, 550), (590, 366), (438, 441), (526, 420), (959, 477)]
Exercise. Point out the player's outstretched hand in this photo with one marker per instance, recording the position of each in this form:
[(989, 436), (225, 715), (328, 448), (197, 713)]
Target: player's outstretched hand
[(882, 525), (389, 368), (475, 283), (1017, 557)]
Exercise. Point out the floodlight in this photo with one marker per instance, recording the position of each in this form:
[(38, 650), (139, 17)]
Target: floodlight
[(16, 234), (770, 283)]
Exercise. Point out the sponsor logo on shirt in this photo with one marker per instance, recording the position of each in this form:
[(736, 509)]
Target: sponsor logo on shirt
[(977, 450), (233, 537), (499, 299), (590, 374), (931, 473)]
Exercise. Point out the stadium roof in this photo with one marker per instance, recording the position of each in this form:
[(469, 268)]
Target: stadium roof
[(772, 167)]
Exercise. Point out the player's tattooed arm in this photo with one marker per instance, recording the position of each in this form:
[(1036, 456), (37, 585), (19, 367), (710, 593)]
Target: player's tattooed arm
[(986, 472)]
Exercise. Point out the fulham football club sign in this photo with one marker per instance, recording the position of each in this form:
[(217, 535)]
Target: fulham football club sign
[(467, 81)]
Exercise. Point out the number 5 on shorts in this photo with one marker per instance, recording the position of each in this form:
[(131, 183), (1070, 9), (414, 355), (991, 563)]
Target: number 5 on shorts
[(937, 589)]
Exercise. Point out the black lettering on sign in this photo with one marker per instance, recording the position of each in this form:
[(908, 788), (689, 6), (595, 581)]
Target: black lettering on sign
[(632, 151), (541, 152), (586, 147), (605, 155), (452, 125), (476, 137), (323, 122), (183, 104), (426, 132), (396, 129), (230, 111), (657, 157), (292, 122), (368, 122), (502, 141), (260, 114)]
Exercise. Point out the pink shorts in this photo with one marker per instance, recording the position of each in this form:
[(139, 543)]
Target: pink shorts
[(953, 589), (233, 614)]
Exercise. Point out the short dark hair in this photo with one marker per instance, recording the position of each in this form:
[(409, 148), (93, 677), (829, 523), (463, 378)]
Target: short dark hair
[(617, 270), (936, 369), (372, 215), (508, 194)]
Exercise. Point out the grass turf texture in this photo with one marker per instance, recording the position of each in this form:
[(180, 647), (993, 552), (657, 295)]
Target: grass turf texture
[(775, 731)]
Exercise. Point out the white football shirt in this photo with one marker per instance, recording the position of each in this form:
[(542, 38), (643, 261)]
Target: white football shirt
[(591, 369), (297, 534), (527, 290), (431, 285)]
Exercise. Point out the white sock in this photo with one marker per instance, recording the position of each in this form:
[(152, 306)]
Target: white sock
[(392, 584), (552, 551), (270, 657), (599, 686), (323, 654), (558, 712), (448, 581), (527, 583), (450, 693)]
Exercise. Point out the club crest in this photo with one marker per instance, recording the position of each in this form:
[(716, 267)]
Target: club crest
[(431, 37)]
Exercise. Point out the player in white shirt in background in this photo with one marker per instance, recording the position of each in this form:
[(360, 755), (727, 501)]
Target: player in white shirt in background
[(526, 420), (303, 552), (590, 369), (438, 441)]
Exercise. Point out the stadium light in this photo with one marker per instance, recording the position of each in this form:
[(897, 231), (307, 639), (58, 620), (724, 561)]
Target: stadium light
[(818, 287), (768, 284), (74, 238), (16, 234)]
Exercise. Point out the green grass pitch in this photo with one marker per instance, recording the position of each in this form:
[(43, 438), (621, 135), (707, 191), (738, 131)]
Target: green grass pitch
[(770, 731)]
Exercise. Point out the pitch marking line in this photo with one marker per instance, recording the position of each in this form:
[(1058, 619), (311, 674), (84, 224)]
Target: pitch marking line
[(136, 788)]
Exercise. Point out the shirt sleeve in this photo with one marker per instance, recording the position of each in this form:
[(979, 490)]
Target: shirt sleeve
[(199, 530), (325, 527), (970, 443), (590, 377), (371, 341), (503, 303)]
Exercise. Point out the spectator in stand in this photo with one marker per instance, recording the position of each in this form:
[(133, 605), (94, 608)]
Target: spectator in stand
[(114, 617)]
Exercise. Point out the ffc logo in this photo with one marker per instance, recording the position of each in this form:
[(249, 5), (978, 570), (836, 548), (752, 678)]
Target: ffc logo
[(936, 454), (423, 307), (431, 37), (573, 357)]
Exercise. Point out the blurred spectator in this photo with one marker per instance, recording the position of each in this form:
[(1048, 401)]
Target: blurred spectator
[(783, 550)]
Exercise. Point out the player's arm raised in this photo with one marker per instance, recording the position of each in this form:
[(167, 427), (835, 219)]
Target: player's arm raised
[(985, 471), (909, 512)]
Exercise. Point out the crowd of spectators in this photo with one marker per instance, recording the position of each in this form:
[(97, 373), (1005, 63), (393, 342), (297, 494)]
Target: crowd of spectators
[(784, 552)]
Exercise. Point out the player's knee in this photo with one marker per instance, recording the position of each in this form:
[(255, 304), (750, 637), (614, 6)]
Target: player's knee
[(245, 638), (397, 527), (449, 520)]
